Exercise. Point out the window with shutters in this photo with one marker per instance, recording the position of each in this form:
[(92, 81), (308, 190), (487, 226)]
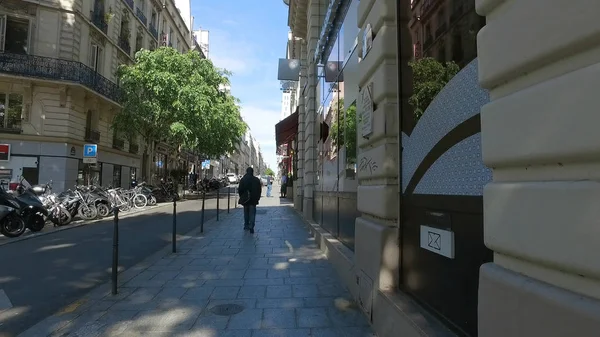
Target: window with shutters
[(15, 34), (96, 53)]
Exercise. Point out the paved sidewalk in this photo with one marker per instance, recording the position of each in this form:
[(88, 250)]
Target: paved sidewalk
[(223, 283)]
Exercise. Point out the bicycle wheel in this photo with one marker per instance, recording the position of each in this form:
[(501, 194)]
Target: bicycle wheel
[(139, 201)]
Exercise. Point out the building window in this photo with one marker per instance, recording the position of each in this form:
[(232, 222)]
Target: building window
[(154, 18), (11, 108), (96, 57), (117, 176), (14, 34)]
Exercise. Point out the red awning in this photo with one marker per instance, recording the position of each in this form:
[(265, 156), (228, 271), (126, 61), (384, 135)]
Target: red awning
[(287, 129)]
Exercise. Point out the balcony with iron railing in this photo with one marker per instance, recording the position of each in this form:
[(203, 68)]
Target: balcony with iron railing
[(54, 69), (10, 123), (92, 136), (118, 144), (97, 18), (134, 148), (129, 3), (153, 30), (140, 14), (125, 45)]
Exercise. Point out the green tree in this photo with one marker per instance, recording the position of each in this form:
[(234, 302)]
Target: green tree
[(344, 132), (176, 98), (429, 78), (269, 172)]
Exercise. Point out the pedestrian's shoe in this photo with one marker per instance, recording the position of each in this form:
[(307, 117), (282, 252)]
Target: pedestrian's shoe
[(246, 228), (251, 230)]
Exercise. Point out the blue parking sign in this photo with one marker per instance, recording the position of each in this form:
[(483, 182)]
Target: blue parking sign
[(90, 150)]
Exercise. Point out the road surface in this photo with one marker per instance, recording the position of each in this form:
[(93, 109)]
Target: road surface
[(42, 275)]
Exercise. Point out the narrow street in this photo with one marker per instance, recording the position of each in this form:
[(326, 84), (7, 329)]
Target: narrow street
[(44, 274)]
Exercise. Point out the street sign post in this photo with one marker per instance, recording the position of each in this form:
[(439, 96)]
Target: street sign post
[(90, 154)]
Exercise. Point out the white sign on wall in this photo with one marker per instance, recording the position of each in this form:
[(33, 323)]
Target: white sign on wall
[(366, 116), (437, 240)]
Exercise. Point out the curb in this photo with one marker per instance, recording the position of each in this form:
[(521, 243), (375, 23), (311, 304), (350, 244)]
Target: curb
[(76, 309), (81, 223)]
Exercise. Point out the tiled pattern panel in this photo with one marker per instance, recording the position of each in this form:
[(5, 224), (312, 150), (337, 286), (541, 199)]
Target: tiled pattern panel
[(461, 99), (459, 171), (285, 284)]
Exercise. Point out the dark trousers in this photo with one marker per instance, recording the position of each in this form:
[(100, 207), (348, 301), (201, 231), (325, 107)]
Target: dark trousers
[(249, 216)]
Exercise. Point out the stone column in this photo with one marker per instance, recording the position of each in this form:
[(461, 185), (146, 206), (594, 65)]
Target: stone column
[(540, 136), (299, 183), (316, 13), (376, 250)]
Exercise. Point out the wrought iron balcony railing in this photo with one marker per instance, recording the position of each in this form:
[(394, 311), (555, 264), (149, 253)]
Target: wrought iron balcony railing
[(129, 3), (59, 70), (12, 125), (154, 31), (124, 44), (99, 21), (92, 136), (118, 144), (134, 148), (141, 16)]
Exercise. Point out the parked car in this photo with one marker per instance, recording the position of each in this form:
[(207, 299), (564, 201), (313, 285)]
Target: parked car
[(233, 178), (263, 180)]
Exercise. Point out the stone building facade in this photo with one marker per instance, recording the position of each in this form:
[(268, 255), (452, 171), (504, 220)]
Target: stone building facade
[(58, 85), (498, 242)]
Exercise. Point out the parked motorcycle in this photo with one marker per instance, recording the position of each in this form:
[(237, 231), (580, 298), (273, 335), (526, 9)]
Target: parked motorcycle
[(11, 222), (32, 210), (58, 213)]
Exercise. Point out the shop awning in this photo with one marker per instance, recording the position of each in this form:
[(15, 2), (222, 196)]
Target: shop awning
[(287, 129)]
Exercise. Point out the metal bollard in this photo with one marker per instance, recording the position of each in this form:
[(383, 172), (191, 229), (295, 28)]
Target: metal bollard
[(202, 216), (174, 238), (115, 251), (218, 197), (228, 198)]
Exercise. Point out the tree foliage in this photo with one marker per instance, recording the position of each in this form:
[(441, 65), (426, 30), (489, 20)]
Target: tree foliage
[(175, 98), (429, 78), (344, 132), (269, 172)]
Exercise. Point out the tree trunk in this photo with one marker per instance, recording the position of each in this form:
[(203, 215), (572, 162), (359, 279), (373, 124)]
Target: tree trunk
[(145, 173)]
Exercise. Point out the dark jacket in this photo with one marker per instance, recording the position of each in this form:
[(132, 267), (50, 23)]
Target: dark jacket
[(252, 184)]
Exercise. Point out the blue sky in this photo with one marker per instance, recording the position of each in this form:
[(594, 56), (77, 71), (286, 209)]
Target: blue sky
[(248, 40)]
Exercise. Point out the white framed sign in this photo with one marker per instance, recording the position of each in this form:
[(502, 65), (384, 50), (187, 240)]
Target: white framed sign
[(366, 96), (438, 241)]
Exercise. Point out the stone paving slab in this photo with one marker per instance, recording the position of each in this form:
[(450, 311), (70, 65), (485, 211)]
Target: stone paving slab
[(278, 277)]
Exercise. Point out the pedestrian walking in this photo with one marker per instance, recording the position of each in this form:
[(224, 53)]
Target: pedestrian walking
[(269, 186), (249, 190), (283, 185)]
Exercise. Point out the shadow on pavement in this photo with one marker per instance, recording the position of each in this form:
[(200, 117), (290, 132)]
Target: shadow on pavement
[(225, 282), (45, 273)]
